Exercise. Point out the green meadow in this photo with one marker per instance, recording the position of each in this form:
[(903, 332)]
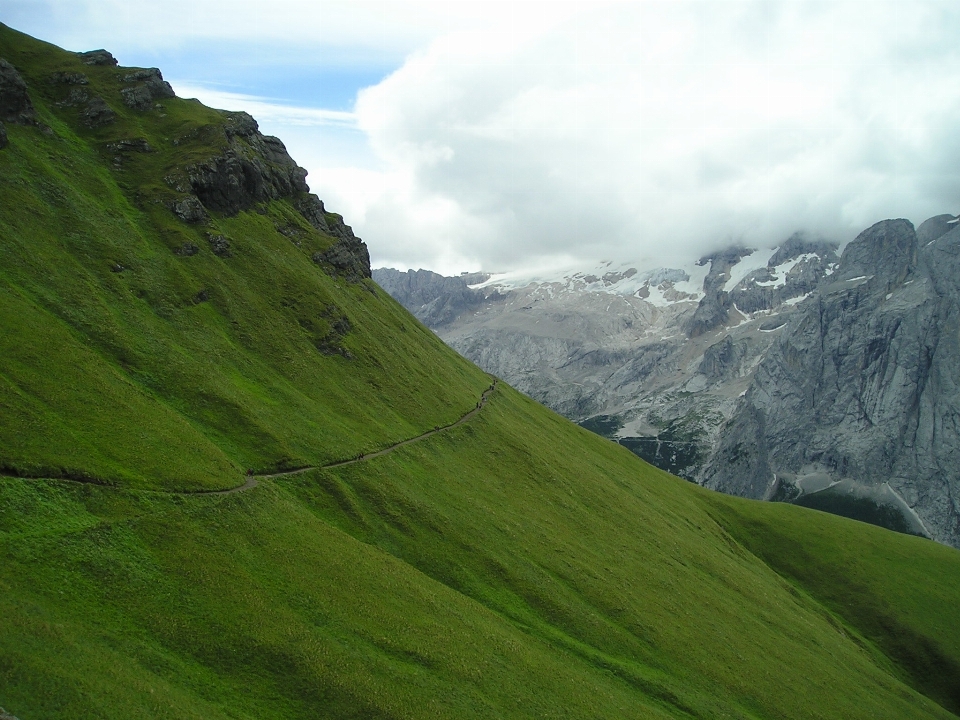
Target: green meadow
[(511, 566)]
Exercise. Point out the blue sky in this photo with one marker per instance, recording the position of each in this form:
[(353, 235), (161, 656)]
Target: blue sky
[(501, 135)]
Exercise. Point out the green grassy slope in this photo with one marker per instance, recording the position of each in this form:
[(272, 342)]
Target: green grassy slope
[(127, 377), (512, 566)]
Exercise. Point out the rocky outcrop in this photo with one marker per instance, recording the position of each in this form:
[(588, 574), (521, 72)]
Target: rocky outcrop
[(15, 104), (97, 113), (796, 269), (434, 299), (97, 57), (863, 385), (348, 256), (254, 168), (793, 271), (190, 209), (144, 87)]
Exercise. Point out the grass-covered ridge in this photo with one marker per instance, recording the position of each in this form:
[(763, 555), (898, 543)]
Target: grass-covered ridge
[(512, 565)]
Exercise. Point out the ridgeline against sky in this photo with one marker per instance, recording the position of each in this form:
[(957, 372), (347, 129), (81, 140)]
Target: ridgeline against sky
[(466, 135)]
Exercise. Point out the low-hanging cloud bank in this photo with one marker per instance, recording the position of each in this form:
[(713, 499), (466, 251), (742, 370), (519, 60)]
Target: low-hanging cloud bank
[(657, 130)]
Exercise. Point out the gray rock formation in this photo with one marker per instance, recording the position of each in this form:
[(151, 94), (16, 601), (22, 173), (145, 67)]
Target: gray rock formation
[(435, 300), (253, 169), (147, 87), (795, 270), (97, 57), (15, 105), (714, 307), (97, 113), (858, 399), (190, 209), (348, 256)]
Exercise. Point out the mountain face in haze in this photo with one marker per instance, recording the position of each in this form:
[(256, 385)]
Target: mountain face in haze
[(857, 403), (792, 375), (435, 300)]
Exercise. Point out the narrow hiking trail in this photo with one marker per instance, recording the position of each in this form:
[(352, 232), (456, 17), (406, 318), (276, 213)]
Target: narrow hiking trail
[(252, 480)]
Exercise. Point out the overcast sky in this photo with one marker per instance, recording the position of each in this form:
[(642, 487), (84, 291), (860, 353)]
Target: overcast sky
[(466, 135)]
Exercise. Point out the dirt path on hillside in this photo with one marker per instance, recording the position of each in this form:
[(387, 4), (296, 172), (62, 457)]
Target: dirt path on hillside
[(253, 480)]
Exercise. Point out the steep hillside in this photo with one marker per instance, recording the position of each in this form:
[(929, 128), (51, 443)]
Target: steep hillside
[(177, 308), (191, 309)]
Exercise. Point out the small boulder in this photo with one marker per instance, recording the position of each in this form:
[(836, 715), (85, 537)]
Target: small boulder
[(188, 249), (190, 210), (220, 245)]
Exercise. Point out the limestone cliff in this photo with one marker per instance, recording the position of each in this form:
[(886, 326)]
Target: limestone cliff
[(858, 401)]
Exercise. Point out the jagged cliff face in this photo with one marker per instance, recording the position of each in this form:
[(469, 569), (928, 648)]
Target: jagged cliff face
[(857, 402)]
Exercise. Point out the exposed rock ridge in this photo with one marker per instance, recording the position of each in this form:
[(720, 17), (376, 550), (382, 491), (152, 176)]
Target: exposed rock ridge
[(863, 385), (348, 257), (255, 168), (144, 88), (796, 269)]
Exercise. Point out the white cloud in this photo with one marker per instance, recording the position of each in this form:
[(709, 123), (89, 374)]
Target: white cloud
[(663, 129)]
